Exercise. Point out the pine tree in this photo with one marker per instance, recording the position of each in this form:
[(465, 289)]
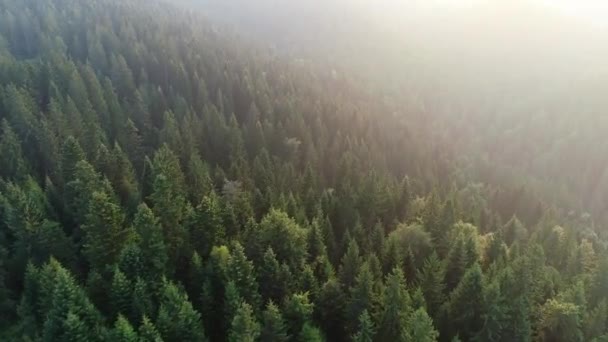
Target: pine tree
[(274, 282), (285, 236), (141, 301), (242, 272), (310, 333), (330, 310), (430, 279), (34, 238), (123, 331), (494, 314), (397, 308), (297, 311), (79, 191), (151, 243), (168, 199), (559, 322), (420, 327), (105, 232), (177, 320), (595, 321), (244, 327), (308, 283), (366, 330), (75, 329), (71, 154), (363, 297), (11, 155), (121, 293), (273, 325), (147, 331), (206, 224), (316, 244), (466, 303), (65, 298), (351, 262), (232, 302)]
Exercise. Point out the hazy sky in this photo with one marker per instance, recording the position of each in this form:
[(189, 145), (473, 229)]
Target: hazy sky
[(594, 10), (591, 11)]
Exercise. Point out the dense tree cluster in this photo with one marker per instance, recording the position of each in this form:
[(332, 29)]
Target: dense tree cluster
[(161, 180)]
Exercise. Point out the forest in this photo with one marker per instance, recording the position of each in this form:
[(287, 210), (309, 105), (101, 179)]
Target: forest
[(163, 178)]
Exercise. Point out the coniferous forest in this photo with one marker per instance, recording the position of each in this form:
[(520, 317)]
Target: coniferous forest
[(165, 180)]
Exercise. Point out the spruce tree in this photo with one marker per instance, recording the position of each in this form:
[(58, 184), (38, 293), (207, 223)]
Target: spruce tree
[(274, 328), (420, 327), (430, 279), (366, 330), (397, 308), (244, 327), (105, 232)]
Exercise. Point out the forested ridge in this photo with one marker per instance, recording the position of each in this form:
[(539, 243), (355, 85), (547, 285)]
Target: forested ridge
[(164, 180)]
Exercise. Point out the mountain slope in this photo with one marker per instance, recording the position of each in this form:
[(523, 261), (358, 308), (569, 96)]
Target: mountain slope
[(162, 179)]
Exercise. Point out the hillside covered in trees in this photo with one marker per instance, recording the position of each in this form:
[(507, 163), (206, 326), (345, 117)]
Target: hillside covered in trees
[(162, 179)]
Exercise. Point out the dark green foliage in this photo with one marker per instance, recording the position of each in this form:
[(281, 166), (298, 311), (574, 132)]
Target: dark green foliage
[(285, 236), (177, 320), (121, 294), (366, 330), (430, 279), (310, 333), (363, 296), (11, 156), (421, 327), (147, 332), (274, 280), (351, 261), (242, 273), (151, 243), (560, 321), (105, 232), (162, 179), (297, 310), (466, 304), (273, 325), (397, 309), (244, 327), (330, 310), (123, 331)]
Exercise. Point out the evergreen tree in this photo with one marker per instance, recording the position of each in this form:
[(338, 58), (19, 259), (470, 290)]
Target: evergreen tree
[(285, 236), (147, 331), (274, 280), (206, 224), (121, 294), (397, 309), (430, 279), (466, 303), (421, 327), (242, 273), (273, 326), (105, 232), (123, 331), (559, 322), (297, 311), (310, 333), (151, 243), (331, 311), (177, 320), (351, 262), (366, 329), (11, 155), (244, 327), (363, 296)]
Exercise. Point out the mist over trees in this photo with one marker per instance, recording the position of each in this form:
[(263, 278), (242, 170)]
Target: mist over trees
[(165, 178)]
